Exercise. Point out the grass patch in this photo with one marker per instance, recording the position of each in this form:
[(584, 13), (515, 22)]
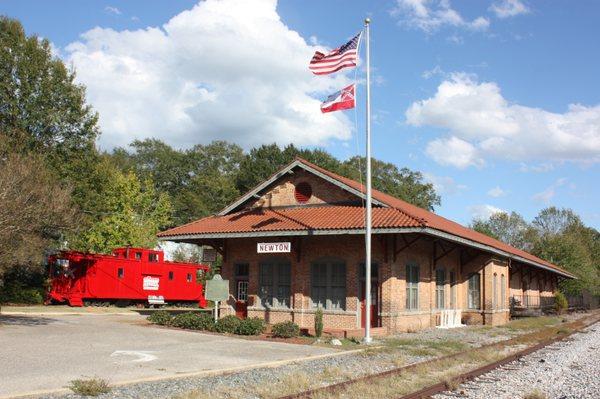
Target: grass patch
[(531, 323), (89, 387), (422, 347)]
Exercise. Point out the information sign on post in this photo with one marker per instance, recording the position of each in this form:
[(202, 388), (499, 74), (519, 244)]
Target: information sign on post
[(217, 290)]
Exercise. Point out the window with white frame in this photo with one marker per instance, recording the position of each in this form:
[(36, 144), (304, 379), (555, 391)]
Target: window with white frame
[(473, 291), (412, 286), (440, 288), (328, 284), (274, 282)]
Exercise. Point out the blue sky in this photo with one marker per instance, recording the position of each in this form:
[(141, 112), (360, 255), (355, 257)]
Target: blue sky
[(496, 102)]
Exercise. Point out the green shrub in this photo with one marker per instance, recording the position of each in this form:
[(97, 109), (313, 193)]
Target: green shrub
[(252, 326), (160, 317), (228, 324), (287, 329), (560, 302), (319, 323), (18, 293), (91, 387), (194, 321)]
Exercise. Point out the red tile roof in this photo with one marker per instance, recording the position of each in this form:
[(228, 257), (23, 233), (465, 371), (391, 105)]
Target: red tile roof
[(295, 219), (399, 214), (435, 221)]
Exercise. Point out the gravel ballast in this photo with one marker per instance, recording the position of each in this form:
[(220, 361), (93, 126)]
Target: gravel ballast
[(568, 369)]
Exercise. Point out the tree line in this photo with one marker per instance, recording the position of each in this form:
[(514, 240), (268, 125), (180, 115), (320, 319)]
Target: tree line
[(557, 235), (57, 190)]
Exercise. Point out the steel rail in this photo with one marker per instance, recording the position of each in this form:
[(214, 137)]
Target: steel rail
[(427, 392)]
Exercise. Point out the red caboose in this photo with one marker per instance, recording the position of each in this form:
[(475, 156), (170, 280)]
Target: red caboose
[(129, 275)]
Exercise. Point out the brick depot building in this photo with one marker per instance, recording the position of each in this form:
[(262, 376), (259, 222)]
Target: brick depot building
[(422, 262)]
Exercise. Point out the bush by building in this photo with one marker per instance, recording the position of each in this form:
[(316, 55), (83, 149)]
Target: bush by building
[(286, 329), (251, 326), (160, 317), (560, 302), (194, 321), (319, 323), (228, 324), (17, 293)]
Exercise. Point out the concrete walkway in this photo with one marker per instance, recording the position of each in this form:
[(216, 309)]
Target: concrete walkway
[(41, 353)]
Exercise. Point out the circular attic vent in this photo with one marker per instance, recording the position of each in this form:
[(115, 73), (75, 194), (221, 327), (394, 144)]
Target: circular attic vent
[(303, 192)]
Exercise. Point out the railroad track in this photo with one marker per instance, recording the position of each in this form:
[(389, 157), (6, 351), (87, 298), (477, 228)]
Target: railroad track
[(440, 387)]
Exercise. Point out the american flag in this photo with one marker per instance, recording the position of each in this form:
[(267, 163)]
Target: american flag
[(343, 57)]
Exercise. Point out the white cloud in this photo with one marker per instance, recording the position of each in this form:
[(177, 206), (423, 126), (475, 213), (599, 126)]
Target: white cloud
[(496, 192), (229, 70), (546, 196), (484, 211), (112, 10), (508, 8), (445, 185), (482, 124), (454, 152), (429, 16), (437, 70), (540, 168)]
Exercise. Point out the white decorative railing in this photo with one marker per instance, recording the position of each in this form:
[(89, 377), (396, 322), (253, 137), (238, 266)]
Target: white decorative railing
[(450, 318)]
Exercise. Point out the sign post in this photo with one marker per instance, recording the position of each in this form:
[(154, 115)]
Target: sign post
[(217, 290)]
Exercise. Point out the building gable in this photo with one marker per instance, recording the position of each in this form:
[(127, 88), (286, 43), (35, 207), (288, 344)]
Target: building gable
[(279, 190), (302, 188)]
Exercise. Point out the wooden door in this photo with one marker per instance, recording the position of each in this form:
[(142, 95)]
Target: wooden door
[(374, 304)]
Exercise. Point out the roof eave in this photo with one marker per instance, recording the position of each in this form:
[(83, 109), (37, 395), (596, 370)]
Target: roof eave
[(405, 230)]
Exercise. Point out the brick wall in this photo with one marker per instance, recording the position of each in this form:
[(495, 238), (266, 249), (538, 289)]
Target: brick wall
[(323, 192), (393, 314)]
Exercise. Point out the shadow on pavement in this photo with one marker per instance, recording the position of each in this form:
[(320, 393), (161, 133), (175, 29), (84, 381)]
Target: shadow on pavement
[(17, 320)]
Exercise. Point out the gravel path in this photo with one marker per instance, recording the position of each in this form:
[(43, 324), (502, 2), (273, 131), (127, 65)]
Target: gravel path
[(565, 370), (343, 366)]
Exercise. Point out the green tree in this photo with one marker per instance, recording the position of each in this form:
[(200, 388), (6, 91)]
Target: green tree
[(131, 213), (402, 183), (575, 248), (510, 228), (553, 221), (40, 105)]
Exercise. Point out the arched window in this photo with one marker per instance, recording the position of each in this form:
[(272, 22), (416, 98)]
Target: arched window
[(412, 286), (495, 291), (328, 283), (473, 291), (503, 291), (440, 288)]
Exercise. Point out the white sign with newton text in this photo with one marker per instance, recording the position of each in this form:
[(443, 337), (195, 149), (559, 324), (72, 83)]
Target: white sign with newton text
[(273, 247)]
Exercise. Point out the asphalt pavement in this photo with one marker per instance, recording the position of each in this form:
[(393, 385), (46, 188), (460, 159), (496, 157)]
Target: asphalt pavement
[(42, 353)]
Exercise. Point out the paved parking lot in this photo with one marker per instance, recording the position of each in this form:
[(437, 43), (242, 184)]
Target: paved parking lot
[(40, 353)]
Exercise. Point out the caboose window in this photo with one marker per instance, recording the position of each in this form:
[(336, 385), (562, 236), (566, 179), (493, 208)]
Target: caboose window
[(189, 277), (138, 255), (153, 257), (171, 275), (121, 272)]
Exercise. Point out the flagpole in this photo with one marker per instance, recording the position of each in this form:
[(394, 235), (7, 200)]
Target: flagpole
[(367, 338)]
